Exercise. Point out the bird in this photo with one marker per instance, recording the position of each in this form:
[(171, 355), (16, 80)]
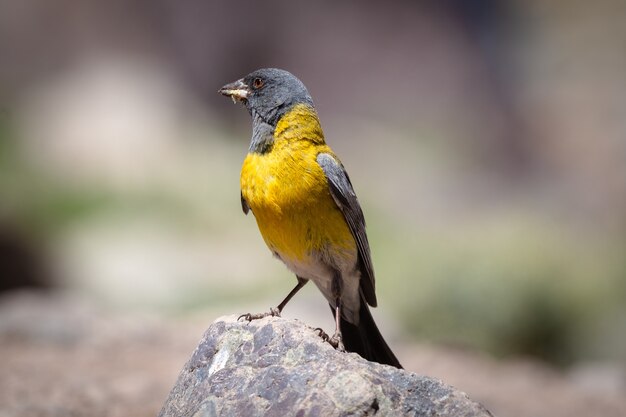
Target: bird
[(306, 209)]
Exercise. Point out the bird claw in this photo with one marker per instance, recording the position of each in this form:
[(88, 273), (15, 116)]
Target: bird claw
[(322, 334), (335, 341), (274, 312)]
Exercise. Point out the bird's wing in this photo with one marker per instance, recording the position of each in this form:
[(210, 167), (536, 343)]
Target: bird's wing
[(244, 205), (342, 192)]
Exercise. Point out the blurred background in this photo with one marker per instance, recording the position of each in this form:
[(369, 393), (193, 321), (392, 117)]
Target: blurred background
[(486, 140)]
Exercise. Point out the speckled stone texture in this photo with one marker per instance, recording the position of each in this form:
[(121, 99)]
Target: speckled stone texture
[(278, 367)]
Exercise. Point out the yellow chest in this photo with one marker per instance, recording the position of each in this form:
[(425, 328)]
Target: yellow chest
[(288, 194)]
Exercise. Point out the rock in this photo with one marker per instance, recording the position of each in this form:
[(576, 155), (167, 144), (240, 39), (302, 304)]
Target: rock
[(279, 367)]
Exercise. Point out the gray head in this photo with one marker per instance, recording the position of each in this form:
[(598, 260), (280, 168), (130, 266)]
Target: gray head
[(268, 93)]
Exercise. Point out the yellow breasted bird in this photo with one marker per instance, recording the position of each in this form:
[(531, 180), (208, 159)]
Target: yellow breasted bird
[(305, 207)]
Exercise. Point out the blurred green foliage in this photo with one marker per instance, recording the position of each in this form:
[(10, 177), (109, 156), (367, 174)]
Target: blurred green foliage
[(46, 205), (519, 287)]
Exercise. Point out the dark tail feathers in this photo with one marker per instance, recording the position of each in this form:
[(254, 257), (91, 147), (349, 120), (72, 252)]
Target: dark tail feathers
[(365, 339)]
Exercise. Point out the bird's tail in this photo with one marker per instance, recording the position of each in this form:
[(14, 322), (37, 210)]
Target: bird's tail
[(365, 338)]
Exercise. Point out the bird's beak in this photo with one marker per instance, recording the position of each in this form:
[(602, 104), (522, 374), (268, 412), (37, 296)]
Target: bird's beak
[(237, 90)]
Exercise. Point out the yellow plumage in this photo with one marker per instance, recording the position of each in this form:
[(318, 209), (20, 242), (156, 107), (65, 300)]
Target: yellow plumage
[(289, 195)]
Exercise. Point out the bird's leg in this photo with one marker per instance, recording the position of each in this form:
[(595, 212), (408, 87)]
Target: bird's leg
[(299, 285), (275, 311), (336, 340), (336, 287)]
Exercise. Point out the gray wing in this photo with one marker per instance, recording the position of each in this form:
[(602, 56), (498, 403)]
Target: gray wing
[(342, 192), (244, 205)]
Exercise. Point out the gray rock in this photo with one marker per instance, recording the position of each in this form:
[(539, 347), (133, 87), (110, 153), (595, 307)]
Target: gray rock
[(279, 367)]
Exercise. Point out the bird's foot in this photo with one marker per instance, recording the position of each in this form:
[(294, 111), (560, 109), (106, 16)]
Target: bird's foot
[(322, 334), (274, 312), (335, 341)]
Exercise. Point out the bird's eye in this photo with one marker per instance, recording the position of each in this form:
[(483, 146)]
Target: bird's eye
[(257, 83)]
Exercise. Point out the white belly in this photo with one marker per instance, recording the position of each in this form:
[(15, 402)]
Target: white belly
[(316, 269)]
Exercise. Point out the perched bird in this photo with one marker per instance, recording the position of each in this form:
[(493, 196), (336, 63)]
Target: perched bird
[(305, 207)]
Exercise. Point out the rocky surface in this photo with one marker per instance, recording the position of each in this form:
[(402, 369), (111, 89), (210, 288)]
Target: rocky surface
[(279, 367)]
